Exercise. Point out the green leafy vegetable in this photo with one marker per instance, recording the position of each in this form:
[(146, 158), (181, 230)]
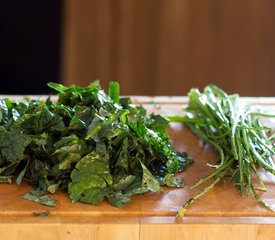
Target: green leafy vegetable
[(41, 214), (40, 197), (114, 91), (5, 179), (90, 179), (233, 128), (90, 144)]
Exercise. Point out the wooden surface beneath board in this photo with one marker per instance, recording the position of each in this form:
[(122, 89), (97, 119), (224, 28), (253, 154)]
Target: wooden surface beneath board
[(219, 214)]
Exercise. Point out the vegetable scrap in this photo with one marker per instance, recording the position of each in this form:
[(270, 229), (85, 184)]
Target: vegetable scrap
[(41, 214)]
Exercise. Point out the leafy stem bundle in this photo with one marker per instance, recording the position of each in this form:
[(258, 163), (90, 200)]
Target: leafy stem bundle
[(233, 128), (88, 143)]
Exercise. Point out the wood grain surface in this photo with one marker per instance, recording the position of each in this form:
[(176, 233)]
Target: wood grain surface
[(165, 47), (221, 214)]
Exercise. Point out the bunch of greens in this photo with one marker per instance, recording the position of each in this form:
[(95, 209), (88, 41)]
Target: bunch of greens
[(88, 143), (235, 131)]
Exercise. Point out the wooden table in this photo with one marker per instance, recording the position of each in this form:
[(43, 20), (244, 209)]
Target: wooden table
[(221, 214)]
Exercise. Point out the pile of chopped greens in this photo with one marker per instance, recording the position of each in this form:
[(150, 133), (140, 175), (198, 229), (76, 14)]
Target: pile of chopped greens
[(88, 143), (233, 128)]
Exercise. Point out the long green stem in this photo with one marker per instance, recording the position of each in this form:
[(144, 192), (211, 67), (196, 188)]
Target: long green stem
[(234, 130), (198, 196)]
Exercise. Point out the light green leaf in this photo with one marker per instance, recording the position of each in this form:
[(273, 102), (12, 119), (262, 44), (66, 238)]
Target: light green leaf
[(41, 198), (89, 175), (149, 181)]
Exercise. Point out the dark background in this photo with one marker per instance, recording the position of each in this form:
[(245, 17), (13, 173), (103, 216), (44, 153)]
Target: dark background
[(30, 40)]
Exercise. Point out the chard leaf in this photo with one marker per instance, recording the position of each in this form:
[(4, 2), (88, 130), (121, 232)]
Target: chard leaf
[(13, 144), (57, 87), (5, 179), (69, 150), (114, 117), (22, 174), (41, 214), (119, 199), (114, 91), (102, 152), (77, 124), (94, 195), (149, 181), (90, 176), (68, 160), (170, 181), (5, 106), (123, 156), (123, 183), (38, 121), (39, 197), (157, 140)]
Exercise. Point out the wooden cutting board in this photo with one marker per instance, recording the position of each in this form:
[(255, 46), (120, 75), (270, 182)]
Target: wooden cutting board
[(222, 213)]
